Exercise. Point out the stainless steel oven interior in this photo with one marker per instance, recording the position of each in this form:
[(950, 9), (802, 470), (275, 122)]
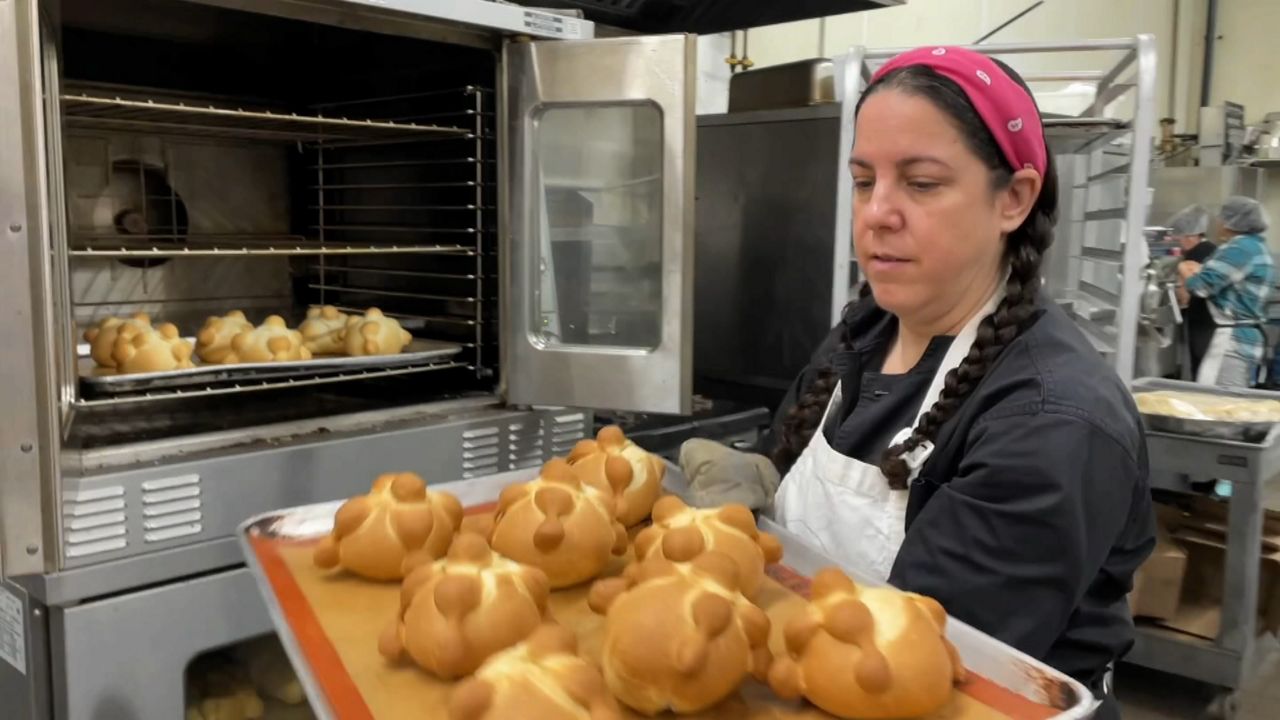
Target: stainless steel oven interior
[(218, 160)]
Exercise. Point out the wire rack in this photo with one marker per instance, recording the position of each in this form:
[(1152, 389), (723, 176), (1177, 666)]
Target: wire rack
[(247, 386), (106, 245), (89, 111)]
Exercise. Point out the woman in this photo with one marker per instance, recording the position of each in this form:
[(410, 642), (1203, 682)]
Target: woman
[(1188, 228), (956, 434), (1236, 283)]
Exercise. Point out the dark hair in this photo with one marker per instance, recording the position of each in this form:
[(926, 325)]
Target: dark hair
[(1024, 249)]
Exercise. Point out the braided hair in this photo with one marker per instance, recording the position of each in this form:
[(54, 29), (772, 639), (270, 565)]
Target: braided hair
[(1023, 252)]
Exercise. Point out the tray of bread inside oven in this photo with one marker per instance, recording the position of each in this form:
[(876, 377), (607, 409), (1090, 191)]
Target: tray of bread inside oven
[(1185, 408), (133, 354)]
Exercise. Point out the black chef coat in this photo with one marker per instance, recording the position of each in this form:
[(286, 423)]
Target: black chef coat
[(1032, 514), (1196, 317)]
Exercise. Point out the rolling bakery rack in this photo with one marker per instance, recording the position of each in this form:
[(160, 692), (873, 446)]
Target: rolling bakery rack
[(1177, 461)]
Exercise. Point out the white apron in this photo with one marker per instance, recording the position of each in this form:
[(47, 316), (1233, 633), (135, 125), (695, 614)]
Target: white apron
[(845, 506), (1215, 355)]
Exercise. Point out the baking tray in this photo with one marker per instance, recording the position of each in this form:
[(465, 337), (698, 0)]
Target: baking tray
[(417, 352), (329, 623), (1252, 432)]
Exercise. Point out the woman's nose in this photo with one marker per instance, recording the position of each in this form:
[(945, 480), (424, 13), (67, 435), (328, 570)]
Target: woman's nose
[(881, 211)]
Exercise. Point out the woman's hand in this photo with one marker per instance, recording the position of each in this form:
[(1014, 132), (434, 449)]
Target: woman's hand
[(1187, 268)]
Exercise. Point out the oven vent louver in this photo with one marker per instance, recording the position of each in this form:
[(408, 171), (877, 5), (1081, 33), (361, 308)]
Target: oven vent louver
[(93, 521), (525, 444), (171, 508), (566, 430), (481, 452)]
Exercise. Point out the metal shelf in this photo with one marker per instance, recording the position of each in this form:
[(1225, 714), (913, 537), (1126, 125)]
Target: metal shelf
[(126, 114), (246, 386), (172, 246)]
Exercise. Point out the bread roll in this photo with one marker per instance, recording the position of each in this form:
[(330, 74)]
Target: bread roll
[(272, 341), (213, 342), (559, 525), (145, 349), (730, 529), (868, 653), (322, 330), (456, 612), (542, 677), (374, 534), (101, 337), (610, 461), (679, 635), (374, 334)]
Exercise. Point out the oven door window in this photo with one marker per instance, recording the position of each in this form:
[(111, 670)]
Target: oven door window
[(598, 280), (599, 275)]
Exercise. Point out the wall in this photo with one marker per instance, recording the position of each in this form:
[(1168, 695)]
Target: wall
[(1246, 68)]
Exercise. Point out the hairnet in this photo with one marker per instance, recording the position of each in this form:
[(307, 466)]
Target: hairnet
[(1190, 220), (1244, 215)]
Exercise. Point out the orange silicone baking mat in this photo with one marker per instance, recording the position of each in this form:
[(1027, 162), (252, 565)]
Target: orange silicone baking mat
[(336, 618)]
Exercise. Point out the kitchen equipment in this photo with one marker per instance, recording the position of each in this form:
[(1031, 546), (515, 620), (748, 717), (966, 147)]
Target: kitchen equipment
[(707, 16), (791, 85), (518, 203)]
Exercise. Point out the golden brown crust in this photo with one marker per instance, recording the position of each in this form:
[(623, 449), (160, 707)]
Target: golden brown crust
[(272, 341), (322, 330), (101, 336), (460, 610), (141, 349), (398, 523), (868, 653), (679, 636), (559, 525), (680, 533), (541, 677), (374, 334), (213, 342), (613, 464)]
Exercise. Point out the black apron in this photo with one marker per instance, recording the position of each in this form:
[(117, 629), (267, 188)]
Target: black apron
[(1196, 318)]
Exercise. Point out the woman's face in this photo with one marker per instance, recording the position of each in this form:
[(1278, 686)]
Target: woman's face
[(928, 226)]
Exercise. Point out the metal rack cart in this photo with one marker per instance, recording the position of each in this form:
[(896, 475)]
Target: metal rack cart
[(1251, 468), (1103, 153)]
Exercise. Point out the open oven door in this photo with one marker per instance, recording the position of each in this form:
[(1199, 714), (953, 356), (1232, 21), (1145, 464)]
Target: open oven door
[(599, 268)]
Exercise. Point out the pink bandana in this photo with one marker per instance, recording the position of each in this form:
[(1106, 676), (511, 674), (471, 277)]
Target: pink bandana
[(1007, 109)]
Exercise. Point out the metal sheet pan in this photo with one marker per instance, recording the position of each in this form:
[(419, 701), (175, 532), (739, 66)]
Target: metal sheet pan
[(1034, 688), (1253, 432), (418, 351)]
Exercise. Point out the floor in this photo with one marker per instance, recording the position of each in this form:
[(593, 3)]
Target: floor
[(1150, 695)]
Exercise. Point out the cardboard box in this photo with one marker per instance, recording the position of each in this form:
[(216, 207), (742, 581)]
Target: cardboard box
[(1157, 586), (1202, 533)]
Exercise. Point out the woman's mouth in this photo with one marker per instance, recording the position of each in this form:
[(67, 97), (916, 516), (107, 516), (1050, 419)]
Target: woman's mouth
[(881, 262)]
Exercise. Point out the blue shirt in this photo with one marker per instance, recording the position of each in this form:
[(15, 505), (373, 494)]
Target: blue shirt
[(1237, 282)]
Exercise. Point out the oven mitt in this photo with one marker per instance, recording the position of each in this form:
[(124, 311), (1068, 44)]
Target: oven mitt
[(719, 474)]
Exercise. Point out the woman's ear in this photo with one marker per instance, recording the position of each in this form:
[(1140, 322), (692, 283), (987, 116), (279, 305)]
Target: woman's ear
[(1016, 201)]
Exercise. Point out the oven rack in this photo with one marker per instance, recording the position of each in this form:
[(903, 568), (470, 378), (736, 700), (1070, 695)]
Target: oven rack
[(247, 386), (107, 245), (96, 112)]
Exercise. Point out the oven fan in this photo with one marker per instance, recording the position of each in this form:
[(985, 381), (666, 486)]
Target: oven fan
[(139, 204)]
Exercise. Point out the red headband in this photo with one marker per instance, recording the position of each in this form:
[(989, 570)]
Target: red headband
[(1004, 106)]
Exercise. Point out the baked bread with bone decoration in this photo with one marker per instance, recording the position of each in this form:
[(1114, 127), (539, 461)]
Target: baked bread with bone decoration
[(730, 529), (272, 341), (213, 342), (458, 611), (679, 636), (374, 334), (102, 335), (141, 349), (872, 653), (559, 524), (542, 677), (610, 461), (322, 331), (374, 534)]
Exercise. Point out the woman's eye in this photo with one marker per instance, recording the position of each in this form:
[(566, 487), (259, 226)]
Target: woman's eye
[(922, 185), (863, 183)]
